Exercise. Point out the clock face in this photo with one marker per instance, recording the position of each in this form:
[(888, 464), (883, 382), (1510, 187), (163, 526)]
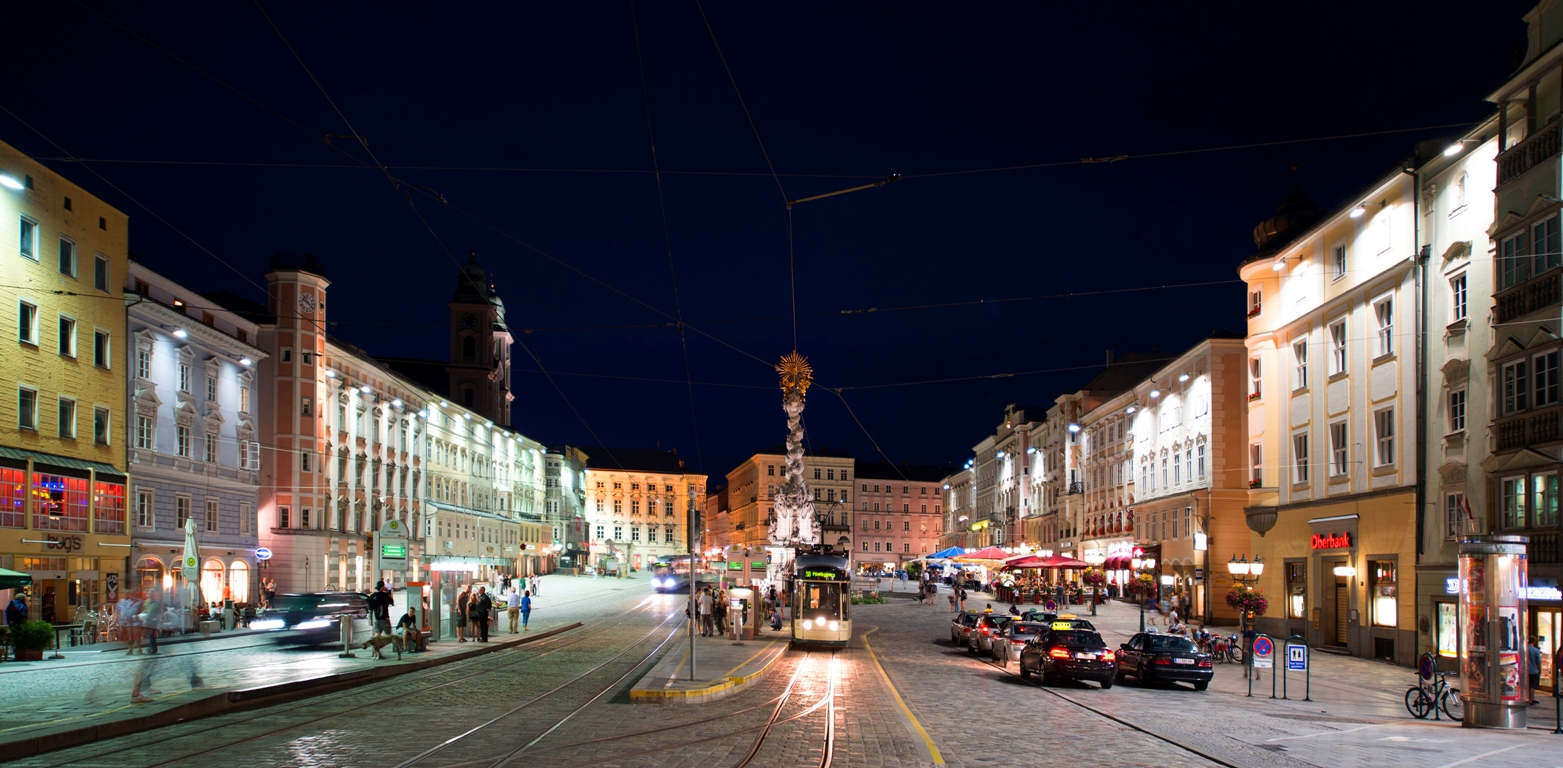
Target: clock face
[(468, 320), (306, 303)]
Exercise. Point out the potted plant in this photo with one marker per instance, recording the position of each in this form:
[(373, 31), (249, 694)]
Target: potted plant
[(1093, 578), (1247, 600), (31, 639), (1256, 483)]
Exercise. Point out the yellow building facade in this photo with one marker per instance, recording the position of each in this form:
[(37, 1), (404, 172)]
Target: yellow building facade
[(62, 440), (1331, 349)]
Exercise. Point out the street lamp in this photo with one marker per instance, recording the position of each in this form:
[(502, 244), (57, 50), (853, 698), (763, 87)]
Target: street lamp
[(1137, 563), (1245, 573), (1095, 560)]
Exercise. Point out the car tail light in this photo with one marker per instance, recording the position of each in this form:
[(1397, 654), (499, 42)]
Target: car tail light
[(986, 631), (1017, 642), (1205, 663), (1058, 653), (1109, 656)]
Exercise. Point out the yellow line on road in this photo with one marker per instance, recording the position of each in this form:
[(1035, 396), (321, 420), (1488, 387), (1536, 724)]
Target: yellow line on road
[(933, 749), (751, 658)]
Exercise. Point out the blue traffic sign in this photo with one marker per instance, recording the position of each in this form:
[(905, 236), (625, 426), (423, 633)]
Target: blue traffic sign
[(1297, 658), (1263, 646)]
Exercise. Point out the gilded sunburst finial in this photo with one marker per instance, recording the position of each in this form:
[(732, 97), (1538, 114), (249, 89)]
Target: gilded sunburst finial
[(795, 373)]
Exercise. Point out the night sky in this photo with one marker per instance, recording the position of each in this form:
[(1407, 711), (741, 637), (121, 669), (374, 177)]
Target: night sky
[(531, 118)]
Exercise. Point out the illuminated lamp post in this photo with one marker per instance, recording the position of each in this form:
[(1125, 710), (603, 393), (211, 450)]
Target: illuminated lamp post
[(1095, 560), (1137, 564), (1245, 573)]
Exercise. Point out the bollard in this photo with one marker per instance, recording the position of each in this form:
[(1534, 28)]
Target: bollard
[(346, 623)]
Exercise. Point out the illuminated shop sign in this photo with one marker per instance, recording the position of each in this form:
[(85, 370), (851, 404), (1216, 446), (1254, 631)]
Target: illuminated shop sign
[(1331, 541)]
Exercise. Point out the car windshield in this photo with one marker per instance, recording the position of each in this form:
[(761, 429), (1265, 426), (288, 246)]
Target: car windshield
[(1170, 643), (289, 603), (1028, 630), (1078, 637)]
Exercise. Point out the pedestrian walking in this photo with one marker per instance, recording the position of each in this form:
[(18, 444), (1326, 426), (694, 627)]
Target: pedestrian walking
[(16, 611), (380, 608), (703, 606), (952, 601), (536, 582), (151, 619), (478, 609), (526, 609), (513, 608), (463, 603), (720, 606)]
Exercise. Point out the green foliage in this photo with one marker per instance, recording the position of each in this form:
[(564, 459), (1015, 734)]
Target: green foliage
[(35, 635), (870, 599)]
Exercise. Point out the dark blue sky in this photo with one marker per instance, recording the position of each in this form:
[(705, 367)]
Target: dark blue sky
[(858, 89)]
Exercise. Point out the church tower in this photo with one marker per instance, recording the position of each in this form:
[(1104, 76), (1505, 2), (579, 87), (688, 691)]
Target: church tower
[(479, 345)]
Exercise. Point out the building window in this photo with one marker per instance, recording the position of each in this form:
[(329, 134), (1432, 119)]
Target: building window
[(1457, 411), (1339, 261), (1513, 261), (1201, 450), (182, 441), (1454, 515), (144, 515), (1544, 242), (1255, 302), (303, 517), (1511, 502), (67, 337), (1544, 379), (1255, 379), (1339, 454), (244, 518), (181, 511), (244, 401), (100, 273), (1300, 365), (1457, 298), (1296, 590), (211, 389), (1384, 434), (1544, 500), (143, 364), (28, 237), (865, 546), (100, 349), (67, 257), (27, 323), (1256, 454), (1300, 453), (1514, 386), (211, 448), (1338, 347), (1384, 318), (282, 517), (1383, 589), (618, 533), (304, 408), (143, 433), (67, 418), (211, 515), (100, 426)]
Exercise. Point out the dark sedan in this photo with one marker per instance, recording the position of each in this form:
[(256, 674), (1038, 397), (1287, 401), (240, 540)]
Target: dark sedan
[(1150, 657), (1072, 654)]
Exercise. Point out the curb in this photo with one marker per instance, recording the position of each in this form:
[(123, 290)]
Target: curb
[(244, 699), (727, 687)]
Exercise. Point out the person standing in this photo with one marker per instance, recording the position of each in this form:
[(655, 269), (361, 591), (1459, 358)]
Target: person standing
[(1533, 666), (479, 608), (526, 609), (380, 608), (703, 606), (463, 602), (536, 582), (513, 608)]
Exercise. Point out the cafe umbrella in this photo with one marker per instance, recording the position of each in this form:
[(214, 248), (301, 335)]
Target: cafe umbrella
[(12, 579)]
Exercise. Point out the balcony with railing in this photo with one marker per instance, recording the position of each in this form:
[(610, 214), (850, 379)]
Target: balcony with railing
[(1529, 429), (1515, 161), (1543, 547), (1533, 295)]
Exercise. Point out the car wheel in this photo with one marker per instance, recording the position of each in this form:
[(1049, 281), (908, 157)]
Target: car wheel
[(1025, 674), (1118, 675), (1107, 684), (1141, 679), (1201, 685)]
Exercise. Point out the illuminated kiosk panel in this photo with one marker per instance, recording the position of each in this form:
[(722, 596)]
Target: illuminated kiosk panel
[(1493, 665)]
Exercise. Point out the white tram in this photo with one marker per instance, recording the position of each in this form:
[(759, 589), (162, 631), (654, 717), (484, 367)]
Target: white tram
[(821, 600)]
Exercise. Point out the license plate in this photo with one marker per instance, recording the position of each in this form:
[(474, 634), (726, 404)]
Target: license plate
[(1182, 661), (1087, 656)]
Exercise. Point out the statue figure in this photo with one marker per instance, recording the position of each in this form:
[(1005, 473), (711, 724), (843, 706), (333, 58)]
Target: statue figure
[(793, 523)]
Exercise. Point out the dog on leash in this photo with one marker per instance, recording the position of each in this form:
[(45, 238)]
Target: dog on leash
[(379, 642)]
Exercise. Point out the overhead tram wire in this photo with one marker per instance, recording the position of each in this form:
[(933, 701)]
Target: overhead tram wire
[(667, 238), (397, 185), (792, 269)]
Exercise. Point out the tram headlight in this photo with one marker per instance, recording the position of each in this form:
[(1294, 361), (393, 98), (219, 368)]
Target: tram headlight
[(835, 625), (808, 623)]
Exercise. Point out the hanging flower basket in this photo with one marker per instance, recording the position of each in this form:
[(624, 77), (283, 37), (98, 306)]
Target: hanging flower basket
[(1247, 600), (1093, 578), (1141, 585)]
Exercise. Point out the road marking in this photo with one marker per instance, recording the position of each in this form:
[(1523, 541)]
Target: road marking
[(1329, 733), (933, 749), (1478, 757)]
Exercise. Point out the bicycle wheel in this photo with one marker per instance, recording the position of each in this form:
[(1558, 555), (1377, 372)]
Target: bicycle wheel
[(1417, 702), (1237, 655), (1452, 705)]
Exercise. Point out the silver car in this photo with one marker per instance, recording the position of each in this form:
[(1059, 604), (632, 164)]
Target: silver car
[(989, 625), (1008, 643)]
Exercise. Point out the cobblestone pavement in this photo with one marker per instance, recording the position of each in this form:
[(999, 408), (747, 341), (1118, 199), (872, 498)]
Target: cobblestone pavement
[(564, 703)]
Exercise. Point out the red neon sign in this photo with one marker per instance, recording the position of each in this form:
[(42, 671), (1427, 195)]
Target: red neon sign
[(1332, 541)]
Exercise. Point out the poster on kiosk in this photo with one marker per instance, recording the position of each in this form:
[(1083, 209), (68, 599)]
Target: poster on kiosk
[(1492, 656)]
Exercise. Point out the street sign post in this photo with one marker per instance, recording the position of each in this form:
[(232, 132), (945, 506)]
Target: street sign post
[(390, 548), (1261, 656), (1297, 659)]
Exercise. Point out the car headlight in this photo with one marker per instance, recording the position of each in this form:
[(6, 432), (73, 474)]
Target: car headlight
[(808, 623), (267, 624), (835, 625), (314, 624)]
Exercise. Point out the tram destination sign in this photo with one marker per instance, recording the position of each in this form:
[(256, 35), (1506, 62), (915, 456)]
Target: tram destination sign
[(822, 574)]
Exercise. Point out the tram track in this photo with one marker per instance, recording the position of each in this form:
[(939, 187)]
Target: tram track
[(476, 667)]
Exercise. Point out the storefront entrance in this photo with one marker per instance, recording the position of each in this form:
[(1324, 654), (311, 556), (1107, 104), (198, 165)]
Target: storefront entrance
[(1547, 625)]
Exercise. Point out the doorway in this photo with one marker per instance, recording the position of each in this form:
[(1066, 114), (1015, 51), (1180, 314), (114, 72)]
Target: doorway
[(1545, 624), (1342, 601), (1336, 600)]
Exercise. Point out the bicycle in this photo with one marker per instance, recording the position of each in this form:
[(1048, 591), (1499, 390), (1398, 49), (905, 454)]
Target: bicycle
[(1422, 699)]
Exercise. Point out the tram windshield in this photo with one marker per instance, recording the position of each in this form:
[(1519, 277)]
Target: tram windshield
[(822, 600)]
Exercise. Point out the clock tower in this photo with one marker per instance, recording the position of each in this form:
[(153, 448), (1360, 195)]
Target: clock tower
[(479, 368)]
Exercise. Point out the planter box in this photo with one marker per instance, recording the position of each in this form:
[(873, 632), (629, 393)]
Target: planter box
[(29, 654)]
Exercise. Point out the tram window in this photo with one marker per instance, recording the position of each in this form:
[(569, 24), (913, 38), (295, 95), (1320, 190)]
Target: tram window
[(825, 598)]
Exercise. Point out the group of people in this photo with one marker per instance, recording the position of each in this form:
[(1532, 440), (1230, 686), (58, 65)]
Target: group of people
[(474, 610), (711, 609)]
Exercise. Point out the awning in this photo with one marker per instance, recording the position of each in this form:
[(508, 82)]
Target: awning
[(990, 554), (13, 579), (104, 471), (947, 553)]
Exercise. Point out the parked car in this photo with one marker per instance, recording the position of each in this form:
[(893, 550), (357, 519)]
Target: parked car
[(1008, 644), (960, 625), (1069, 654), (1150, 657), (315, 616), (980, 639)]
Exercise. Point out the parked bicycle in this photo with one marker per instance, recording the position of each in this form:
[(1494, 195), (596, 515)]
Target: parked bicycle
[(1222, 649), (1423, 698)]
